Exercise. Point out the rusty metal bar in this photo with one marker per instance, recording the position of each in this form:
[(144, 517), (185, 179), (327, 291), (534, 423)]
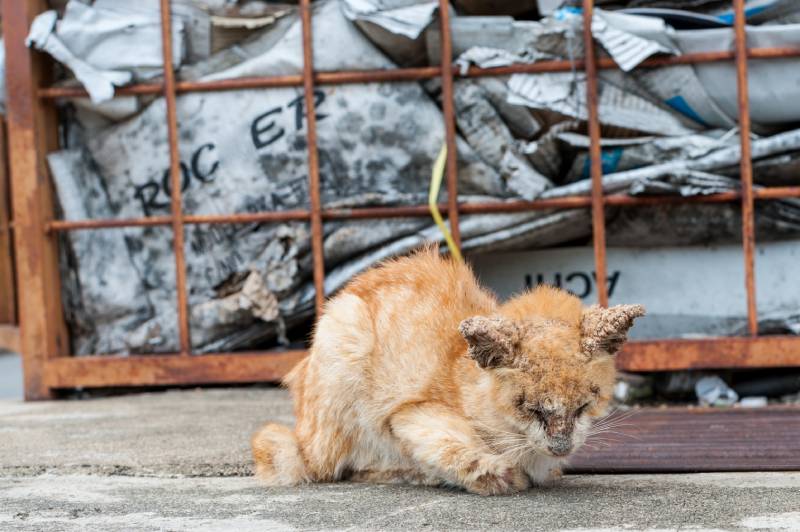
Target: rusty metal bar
[(746, 166), (416, 74), (449, 116), (175, 178), (32, 132), (219, 368), (593, 123), (8, 292), (71, 225), (710, 353), (776, 193), (166, 370), (422, 211), (317, 248)]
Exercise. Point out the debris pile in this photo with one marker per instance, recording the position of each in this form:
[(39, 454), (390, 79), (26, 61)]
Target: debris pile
[(669, 130)]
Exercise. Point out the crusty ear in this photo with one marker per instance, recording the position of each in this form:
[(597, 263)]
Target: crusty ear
[(492, 341), (606, 329)]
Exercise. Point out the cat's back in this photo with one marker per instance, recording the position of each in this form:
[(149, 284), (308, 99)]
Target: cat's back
[(398, 322), (424, 286)]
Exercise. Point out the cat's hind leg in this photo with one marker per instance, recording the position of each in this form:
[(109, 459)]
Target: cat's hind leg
[(277, 456), (444, 443)]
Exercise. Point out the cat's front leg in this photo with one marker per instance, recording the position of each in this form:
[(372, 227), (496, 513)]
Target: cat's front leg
[(543, 470), (442, 441)]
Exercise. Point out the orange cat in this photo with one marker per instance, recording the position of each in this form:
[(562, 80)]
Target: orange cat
[(417, 374)]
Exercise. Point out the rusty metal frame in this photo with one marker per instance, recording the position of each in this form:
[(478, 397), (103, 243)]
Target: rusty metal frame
[(47, 364), (9, 332), (8, 305)]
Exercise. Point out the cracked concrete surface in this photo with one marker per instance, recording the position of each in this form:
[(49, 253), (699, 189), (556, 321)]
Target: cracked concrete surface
[(179, 461)]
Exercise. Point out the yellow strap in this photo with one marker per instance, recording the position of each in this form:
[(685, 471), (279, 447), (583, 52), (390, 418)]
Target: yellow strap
[(433, 195)]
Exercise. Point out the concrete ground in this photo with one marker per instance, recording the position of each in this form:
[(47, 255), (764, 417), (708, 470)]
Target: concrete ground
[(179, 461)]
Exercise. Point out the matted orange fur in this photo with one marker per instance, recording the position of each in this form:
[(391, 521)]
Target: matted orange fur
[(417, 374)]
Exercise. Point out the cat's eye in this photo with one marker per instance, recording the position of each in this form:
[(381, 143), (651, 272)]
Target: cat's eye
[(520, 402), (581, 409), (538, 413)]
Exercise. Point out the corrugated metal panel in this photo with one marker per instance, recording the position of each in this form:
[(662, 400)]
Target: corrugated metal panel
[(696, 439)]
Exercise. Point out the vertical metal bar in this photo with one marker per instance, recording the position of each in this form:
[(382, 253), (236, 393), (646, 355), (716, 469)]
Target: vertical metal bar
[(317, 248), (746, 166), (448, 110), (598, 202), (32, 132), (8, 292), (176, 179)]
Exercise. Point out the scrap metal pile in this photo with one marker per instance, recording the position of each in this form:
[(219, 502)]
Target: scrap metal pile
[(669, 130)]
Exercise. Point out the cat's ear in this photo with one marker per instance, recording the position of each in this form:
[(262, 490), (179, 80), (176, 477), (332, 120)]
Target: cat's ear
[(492, 341), (606, 329)]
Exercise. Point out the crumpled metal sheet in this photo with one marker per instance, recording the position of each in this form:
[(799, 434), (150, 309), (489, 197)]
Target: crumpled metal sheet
[(110, 43), (630, 39), (99, 82), (565, 93), (723, 157), (402, 17)]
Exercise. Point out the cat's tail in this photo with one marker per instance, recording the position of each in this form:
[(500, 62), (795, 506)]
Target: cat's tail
[(277, 455)]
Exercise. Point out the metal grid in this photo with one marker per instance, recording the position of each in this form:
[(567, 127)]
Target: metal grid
[(47, 363)]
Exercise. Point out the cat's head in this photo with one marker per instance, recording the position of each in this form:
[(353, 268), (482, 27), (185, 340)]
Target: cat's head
[(552, 374)]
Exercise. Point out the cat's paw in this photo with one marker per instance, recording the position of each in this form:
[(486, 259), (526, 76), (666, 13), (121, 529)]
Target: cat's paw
[(495, 476), (551, 477), (544, 471)]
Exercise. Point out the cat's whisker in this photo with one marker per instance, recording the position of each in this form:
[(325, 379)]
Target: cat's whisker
[(613, 422), (609, 431), (615, 416), (616, 428)]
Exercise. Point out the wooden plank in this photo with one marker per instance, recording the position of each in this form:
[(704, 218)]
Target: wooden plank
[(169, 370), (32, 131), (8, 295), (708, 353), (696, 439), (9, 338)]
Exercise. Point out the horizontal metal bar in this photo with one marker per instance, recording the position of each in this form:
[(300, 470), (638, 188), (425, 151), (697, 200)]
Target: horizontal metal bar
[(106, 223), (414, 74), (248, 217), (710, 353), (569, 202), (777, 193), (169, 370), (189, 219), (173, 369)]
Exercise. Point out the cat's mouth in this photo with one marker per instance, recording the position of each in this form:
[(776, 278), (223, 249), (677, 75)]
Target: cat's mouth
[(558, 453), (560, 446)]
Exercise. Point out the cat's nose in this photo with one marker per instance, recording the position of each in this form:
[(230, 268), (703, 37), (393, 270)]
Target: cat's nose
[(560, 445)]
